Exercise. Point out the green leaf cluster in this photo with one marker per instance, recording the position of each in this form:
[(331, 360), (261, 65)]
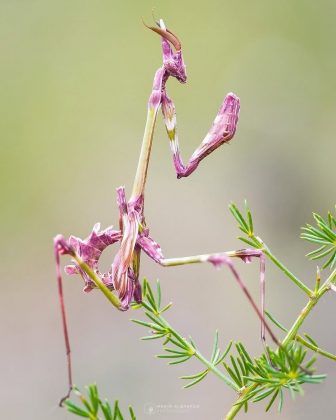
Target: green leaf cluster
[(93, 407), (216, 359), (269, 376), (324, 234), (264, 377), (245, 224)]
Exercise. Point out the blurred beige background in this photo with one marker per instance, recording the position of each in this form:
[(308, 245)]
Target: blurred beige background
[(75, 78)]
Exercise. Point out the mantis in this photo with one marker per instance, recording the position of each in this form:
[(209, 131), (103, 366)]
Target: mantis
[(121, 283)]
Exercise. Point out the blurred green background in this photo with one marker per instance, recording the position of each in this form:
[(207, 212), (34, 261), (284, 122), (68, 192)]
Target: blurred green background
[(75, 78)]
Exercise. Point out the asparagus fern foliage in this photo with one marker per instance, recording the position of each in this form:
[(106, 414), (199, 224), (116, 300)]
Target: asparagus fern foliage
[(324, 235), (94, 408), (269, 375)]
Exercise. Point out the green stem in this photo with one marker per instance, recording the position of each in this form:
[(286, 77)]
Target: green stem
[(315, 349), (330, 280), (263, 247), (199, 356), (314, 298), (297, 324), (216, 371), (239, 404)]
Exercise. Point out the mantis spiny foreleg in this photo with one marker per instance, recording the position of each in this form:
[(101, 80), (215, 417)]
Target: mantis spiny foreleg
[(222, 131)]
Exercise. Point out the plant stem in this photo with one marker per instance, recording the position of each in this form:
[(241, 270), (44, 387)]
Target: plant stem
[(216, 371), (297, 324), (238, 405), (314, 298), (263, 247), (315, 348), (199, 356), (330, 280)]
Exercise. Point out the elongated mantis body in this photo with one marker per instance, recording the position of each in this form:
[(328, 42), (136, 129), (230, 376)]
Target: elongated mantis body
[(121, 283)]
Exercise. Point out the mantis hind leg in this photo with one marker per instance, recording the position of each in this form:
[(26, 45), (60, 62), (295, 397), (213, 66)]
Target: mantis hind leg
[(61, 247), (221, 259)]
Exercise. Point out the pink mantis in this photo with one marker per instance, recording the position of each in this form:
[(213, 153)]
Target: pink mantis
[(133, 234)]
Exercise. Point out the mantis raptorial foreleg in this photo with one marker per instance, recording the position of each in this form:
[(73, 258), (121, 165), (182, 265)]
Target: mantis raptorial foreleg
[(222, 130)]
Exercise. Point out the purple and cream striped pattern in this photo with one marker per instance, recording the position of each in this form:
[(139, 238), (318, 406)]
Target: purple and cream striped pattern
[(222, 131)]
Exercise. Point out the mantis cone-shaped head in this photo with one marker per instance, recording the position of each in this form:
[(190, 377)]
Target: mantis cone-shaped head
[(172, 61)]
